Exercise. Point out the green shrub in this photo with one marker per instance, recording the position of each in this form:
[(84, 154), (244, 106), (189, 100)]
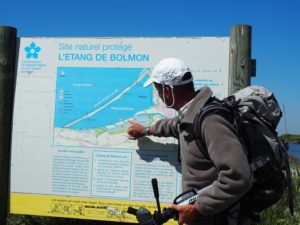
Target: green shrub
[(279, 214)]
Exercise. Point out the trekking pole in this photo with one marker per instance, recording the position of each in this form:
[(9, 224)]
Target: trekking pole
[(156, 193)]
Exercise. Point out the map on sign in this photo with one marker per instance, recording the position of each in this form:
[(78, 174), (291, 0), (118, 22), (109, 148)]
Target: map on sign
[(93, 105)]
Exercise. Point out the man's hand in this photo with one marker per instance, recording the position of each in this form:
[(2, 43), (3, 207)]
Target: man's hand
[(187, 213), (135, 131)]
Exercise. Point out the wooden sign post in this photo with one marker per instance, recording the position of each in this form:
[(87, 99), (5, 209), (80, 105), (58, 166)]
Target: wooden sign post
[(241, 66), (8, 41)]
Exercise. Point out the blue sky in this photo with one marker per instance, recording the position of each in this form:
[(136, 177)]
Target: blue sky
[(275, 31)]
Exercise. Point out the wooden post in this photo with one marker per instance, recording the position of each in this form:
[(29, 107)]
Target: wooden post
[(241, 66), (8, 41)]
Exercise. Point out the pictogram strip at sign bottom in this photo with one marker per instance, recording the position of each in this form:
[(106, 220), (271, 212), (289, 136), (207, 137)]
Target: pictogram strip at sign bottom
[(72, 207)]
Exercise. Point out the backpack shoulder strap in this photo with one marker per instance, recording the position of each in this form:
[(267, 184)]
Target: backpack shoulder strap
[(214, 106)]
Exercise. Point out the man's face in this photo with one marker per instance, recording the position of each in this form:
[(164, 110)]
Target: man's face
[(165, 93), (159, 90)]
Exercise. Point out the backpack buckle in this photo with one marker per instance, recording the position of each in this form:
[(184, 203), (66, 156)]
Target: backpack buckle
[(259, 162), (187, 127)]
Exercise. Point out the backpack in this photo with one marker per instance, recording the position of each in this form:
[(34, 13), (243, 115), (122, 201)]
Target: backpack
[(256, 114)]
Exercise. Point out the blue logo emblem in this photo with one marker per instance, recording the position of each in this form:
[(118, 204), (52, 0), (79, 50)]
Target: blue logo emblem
[(32, 51)]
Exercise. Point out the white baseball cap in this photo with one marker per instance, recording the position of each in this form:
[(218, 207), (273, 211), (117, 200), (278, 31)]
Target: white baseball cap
[(169, 71)]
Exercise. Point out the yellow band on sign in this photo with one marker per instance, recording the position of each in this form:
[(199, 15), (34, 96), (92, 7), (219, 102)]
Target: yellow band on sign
[(72, 207)]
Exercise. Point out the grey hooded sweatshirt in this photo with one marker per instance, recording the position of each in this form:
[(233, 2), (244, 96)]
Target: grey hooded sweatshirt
[(227, 168)]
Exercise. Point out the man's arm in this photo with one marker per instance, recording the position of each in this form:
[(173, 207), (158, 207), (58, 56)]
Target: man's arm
[(162, 128), (137, 130), (234, 174), (187, 213)]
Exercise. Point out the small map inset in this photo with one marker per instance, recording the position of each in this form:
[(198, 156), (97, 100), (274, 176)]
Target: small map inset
[(93, 105)]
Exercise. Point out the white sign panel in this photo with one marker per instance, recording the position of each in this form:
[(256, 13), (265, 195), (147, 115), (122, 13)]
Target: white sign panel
[(74, 97)]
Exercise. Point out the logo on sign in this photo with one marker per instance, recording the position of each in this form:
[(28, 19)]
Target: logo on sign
[(32, 51)]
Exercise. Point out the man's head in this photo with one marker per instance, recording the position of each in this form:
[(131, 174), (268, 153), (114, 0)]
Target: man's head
[(173, 81)]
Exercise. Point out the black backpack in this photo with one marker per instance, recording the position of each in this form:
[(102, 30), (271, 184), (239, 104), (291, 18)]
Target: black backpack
[(256, 114)]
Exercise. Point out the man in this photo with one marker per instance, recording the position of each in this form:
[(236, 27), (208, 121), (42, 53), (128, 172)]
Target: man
[(225, 171)]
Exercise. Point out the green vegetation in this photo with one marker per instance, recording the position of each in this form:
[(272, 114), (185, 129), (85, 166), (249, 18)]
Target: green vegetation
[(279, 214), (118, 131), (100, 131), (291, 138), (294, 162)]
